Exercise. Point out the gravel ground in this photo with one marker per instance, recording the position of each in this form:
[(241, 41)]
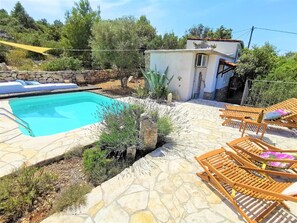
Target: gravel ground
[(69, 171)]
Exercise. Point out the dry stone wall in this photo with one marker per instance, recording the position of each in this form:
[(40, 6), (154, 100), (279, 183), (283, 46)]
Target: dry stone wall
[(91, 76), (222, 94)]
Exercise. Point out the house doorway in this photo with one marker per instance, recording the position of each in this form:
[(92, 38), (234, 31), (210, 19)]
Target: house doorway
[(235, 89)]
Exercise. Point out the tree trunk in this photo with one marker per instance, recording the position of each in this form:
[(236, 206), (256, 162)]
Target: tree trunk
[(124, 82)]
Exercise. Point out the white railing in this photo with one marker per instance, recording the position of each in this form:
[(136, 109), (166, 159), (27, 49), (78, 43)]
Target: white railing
[(17, 120)]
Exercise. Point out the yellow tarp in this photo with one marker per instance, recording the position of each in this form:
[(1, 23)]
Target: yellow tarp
[(35, 49)]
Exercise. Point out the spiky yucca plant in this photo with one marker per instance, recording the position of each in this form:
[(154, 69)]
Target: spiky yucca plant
[(157, 83)]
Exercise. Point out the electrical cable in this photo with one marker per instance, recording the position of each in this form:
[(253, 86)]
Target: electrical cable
[(247, 32), (275, 30), (240, 30)]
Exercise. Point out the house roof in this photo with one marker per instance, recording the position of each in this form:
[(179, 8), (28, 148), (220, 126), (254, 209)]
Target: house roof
[(206, 51), (228, 63), (218, 40)]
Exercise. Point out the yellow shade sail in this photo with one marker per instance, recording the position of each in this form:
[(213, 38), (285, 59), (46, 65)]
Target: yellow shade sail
[(35, 49)]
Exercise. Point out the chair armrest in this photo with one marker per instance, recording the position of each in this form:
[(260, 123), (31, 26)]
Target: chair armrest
[(272, 172)]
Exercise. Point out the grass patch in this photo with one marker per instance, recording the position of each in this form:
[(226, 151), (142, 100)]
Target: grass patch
[(141, 92), (21, 190), (165, 127), (72, 198), (75, 152)]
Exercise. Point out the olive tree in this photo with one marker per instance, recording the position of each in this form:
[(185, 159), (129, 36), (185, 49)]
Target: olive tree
[(116, 43)]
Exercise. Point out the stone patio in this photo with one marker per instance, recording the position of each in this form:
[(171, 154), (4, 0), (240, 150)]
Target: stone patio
[(17, 149), (162, 186)]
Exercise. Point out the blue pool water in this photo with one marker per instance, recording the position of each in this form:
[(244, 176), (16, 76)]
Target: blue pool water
[(51, 114)]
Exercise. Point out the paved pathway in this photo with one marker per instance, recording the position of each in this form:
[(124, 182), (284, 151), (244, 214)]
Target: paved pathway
[(17, 148), (163, 186)]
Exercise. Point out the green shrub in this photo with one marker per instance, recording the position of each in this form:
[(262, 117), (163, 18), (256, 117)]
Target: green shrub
[(93, 157), (73, 197), (63, 63), (18, 59), (121, 124), (141, 92), (121, 130), (19, 191), (164, 127), (99, 174), (98, 168)]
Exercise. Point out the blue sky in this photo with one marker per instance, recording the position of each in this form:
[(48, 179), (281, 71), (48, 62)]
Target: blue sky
[(179, 15)]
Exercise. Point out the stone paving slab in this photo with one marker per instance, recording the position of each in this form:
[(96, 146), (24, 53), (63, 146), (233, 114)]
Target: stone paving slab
[(160, 187), (17, 149), (163, 186)]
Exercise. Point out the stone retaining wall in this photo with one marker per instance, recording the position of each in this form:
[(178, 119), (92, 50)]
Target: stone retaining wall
[(218, 95), (91, 76), (222, 94), (209, 95)]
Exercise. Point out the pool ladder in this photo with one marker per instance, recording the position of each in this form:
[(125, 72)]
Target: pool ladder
[(17, 120)]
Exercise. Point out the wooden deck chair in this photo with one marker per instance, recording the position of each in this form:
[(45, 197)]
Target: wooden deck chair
[(251, 148), (289, 120), (253, 195), (287, 104), (230, 115)]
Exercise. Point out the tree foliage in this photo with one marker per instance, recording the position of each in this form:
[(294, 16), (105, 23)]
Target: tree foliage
[(170, 41), (201, 31), (20, 27), (278, 85), (23, 17), (125, 38), (256, 62), (77, 30), (145, 31), (116, 43), (285, 69), (167, 41)]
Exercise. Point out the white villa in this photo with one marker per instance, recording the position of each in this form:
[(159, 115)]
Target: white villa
[(202, 70)]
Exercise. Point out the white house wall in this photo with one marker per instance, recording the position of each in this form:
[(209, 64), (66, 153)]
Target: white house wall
[(213, 83), (197, 87), (228, 48), (223, 80), (181, 65), (212, 66)]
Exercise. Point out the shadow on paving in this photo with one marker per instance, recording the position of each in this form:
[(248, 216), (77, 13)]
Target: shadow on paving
[(210, 103), (254, 207), (272, 130)]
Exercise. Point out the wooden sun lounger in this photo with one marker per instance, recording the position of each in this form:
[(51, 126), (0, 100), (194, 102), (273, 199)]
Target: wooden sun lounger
[(251, 148), (287, 104), (240, 112), (253, 194), (230, 115)]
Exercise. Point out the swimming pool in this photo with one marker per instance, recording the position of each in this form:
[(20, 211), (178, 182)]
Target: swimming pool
[(51, 114)]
